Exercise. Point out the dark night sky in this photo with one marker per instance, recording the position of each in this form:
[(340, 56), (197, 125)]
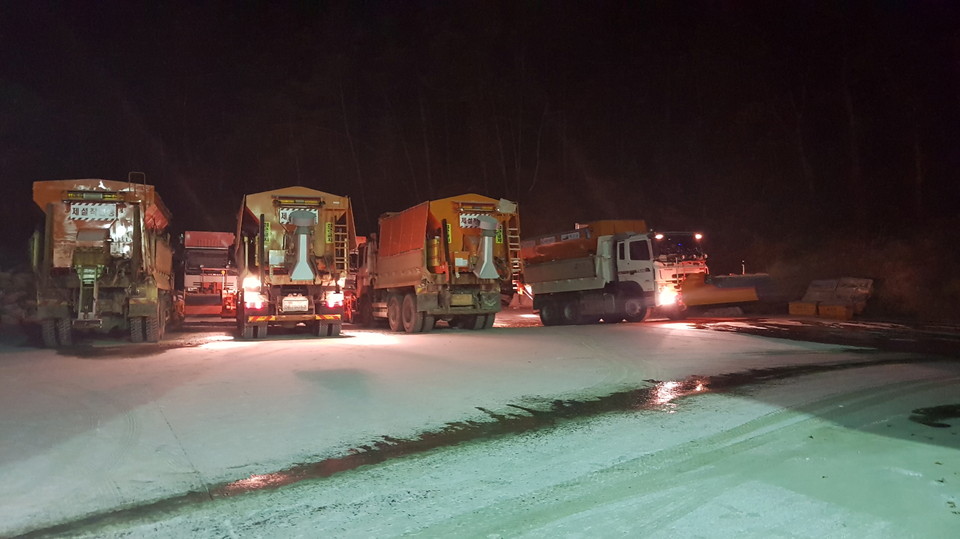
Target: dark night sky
[(745, 119)]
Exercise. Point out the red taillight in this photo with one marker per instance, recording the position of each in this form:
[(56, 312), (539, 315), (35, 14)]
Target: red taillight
[(253, 301)]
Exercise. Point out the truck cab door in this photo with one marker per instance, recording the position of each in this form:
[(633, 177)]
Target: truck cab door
[(635, 262)]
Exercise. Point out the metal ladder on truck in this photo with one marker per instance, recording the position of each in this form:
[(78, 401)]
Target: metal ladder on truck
[(341, 250), (513, 251)]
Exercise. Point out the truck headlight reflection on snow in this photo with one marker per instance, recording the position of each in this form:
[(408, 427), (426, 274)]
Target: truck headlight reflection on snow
[(665, 392)]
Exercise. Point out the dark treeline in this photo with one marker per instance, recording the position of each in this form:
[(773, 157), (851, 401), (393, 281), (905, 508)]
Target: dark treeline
[(749, 120)]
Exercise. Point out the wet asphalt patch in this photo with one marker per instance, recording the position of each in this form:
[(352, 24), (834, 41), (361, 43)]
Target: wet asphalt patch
[(934, 416), (883, 337), (122, 351)]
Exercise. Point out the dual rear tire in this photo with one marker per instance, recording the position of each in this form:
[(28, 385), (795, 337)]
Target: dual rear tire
[(56, 332), (402, 314), (476, 321), (555, 312), (564, 312), (149, 328)]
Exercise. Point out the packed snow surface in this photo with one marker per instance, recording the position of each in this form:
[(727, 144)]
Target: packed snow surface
[(834, 452)]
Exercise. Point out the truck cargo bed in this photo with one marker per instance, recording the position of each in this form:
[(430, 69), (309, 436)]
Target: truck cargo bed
[(566, 275)]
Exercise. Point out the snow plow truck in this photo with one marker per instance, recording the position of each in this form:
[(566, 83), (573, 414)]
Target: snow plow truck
[(443, 259), (616, 270), (207, 273), (292, 253), (103, 261)]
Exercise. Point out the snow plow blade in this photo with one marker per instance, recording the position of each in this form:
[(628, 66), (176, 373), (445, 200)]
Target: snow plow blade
[(701, 289)]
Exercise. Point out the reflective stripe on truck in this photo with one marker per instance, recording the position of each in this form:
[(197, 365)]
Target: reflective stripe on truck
[(289, 317)]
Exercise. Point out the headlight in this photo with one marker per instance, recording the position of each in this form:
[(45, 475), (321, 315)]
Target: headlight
[(334, 300), (251, 283), (667, 296)]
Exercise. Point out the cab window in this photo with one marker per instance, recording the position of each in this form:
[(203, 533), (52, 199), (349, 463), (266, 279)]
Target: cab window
[(639, 250)]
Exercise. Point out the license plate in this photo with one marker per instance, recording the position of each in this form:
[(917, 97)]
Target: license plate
[(461, 299)]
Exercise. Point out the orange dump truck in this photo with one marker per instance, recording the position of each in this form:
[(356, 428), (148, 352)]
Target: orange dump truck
[(104, 261), (444, 259), (292, 252)]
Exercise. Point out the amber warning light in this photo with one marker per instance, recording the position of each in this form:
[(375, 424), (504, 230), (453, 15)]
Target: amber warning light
[(93, 195)]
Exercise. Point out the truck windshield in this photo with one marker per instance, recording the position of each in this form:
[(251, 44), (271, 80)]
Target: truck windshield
[(208, 258), (677, 246)]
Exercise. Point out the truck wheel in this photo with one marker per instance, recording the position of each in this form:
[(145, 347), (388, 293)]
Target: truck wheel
[(246, 330), (393, 313), (489, 321), (474, 321), (136, 329), (549, 313), (634, 310), (365, 312), (153, 327), (64, 332), (328, 329), (429, 322), (261, 331), (48, 331), (571, 312), (412, 320)]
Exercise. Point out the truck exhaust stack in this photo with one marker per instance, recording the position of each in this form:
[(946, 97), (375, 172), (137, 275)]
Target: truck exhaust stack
[(304, 221)]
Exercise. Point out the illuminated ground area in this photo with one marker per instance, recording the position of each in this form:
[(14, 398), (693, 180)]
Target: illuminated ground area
[(811, 440), (827, 455)]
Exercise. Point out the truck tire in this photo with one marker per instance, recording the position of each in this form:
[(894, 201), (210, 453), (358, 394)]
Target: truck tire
[(261, 331), (550, 313), (490, 320), (571, 312), (412, 320), (429, 322), (153, 327), (136, 329), (64, 332), (472, 321), (393, 313), (48, 331), (328, 329), (634, 310), (364, 312), (246, 330)]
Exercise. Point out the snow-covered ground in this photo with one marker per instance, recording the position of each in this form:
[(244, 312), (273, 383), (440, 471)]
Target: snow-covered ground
[(832, 453)]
